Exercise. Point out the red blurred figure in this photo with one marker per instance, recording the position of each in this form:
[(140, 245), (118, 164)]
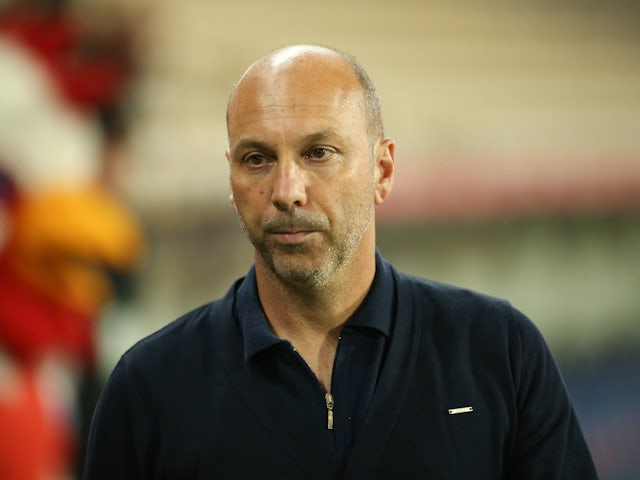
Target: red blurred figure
[(64, 236)]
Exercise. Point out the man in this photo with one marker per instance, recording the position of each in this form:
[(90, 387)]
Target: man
[(324, 362)]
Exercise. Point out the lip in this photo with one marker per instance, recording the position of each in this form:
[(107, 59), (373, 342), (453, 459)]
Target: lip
[(292, 237)]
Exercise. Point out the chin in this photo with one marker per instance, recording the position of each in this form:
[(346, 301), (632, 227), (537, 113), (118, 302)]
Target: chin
[(306, 280), (302, 272)]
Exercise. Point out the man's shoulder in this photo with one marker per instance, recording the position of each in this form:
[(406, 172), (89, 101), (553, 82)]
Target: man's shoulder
[(452, 318), (178, 331), (444, 296), (182, 340), (453, 310)]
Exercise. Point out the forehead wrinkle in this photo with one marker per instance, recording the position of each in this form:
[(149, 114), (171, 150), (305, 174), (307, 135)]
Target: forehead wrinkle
[(280, 110)]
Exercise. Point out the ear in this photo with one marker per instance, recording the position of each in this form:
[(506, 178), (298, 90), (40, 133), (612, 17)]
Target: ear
[(385, 163), (232, 200)]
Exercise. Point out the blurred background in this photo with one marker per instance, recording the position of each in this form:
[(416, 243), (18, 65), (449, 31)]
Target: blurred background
[(518, 174)]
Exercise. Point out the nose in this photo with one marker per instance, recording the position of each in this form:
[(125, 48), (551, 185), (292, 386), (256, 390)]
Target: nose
[(289, 186)]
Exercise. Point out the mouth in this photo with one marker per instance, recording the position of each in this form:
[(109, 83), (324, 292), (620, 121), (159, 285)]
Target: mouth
[(291, 237)]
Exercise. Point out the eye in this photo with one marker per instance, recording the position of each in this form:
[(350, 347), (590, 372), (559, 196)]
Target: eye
[(318, 153), (256, 160)]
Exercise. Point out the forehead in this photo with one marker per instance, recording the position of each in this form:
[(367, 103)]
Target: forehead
[(309, 89), (277, 111)]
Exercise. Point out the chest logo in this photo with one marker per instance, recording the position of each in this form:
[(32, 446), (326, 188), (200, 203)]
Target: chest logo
[(456, 411)]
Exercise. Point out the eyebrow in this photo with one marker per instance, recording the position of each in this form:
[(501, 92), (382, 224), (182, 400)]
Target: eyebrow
[(322, 135), (251, 144)]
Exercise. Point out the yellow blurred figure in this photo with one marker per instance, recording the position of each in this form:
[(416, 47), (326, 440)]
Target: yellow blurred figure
[(67, 242)]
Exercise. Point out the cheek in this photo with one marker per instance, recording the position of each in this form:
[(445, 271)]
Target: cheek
[(358, 200), (248, 198)]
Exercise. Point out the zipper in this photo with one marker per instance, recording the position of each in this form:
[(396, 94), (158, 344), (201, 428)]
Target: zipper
[(328, 398)]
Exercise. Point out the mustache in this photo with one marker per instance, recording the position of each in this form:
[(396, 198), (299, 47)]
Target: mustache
[(296, 222)]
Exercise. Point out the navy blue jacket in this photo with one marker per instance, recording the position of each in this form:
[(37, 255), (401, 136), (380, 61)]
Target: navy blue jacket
[(468, 391)]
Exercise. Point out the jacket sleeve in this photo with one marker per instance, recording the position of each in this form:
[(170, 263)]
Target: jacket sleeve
[(120, 432), (549, 443)]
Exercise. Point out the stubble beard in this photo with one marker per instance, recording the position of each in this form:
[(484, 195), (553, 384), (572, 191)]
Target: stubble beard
[(312, 265)]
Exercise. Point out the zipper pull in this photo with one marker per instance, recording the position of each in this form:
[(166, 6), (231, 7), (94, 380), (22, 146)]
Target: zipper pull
[(328, 398)]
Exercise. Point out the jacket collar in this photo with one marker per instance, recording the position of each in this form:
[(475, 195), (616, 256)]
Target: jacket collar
[(376, 310)]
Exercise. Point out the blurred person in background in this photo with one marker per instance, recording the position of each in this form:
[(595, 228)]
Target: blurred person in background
[(67, 242), (324, 361)]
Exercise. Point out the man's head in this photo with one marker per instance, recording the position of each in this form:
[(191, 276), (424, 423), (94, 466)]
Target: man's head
[(308, 162)]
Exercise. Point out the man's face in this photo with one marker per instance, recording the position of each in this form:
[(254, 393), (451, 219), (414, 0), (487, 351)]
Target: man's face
[(301, 171)]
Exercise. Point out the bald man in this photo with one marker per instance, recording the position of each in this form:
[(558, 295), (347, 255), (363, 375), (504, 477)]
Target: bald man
[(324, 362)]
